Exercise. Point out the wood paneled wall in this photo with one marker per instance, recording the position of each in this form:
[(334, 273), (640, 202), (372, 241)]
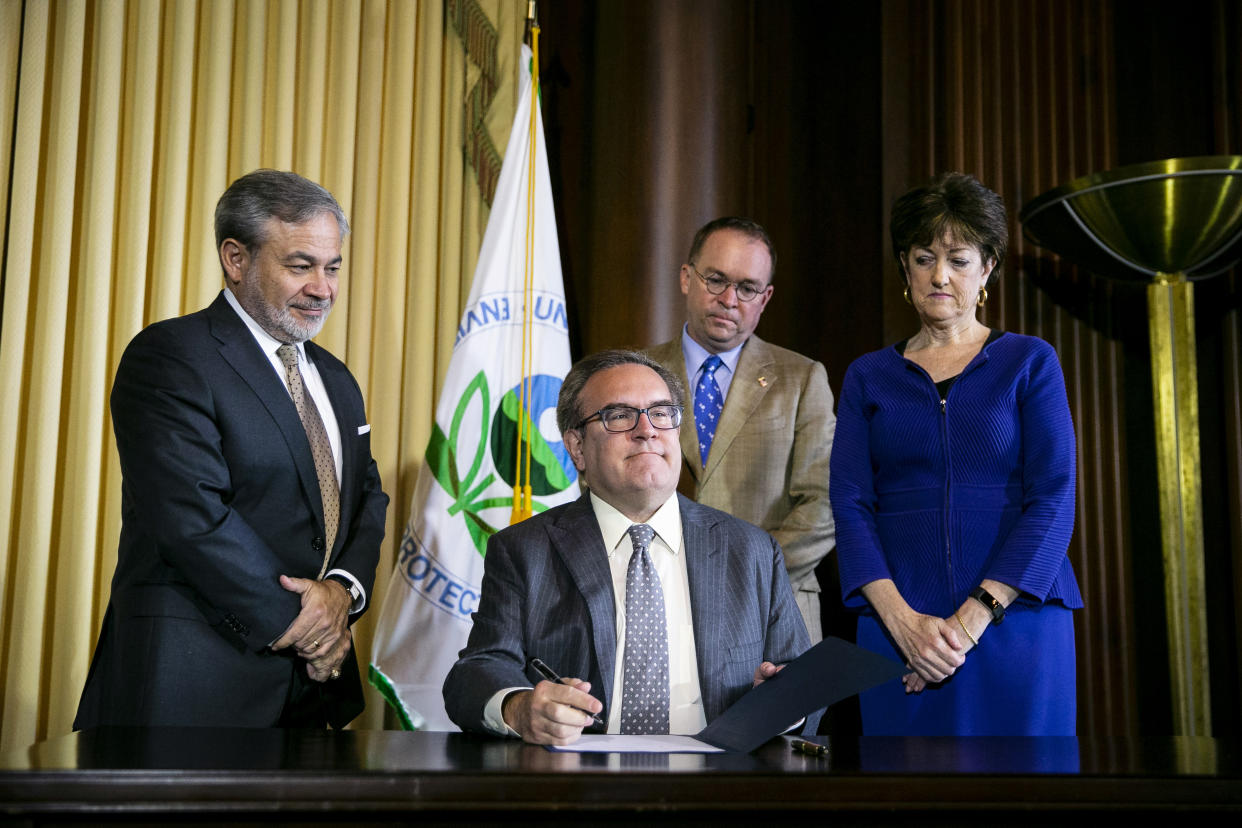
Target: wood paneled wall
[(812, 117), (653, 100)]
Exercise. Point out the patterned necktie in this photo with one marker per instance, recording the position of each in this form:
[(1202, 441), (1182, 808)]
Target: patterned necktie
[(708, 403), (644, 687), (321, 448)]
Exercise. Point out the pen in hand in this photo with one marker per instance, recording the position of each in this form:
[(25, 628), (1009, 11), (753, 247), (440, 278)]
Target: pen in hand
[(547, 672)]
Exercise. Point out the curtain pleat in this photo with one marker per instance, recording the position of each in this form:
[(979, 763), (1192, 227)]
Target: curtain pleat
[(124, 121), (10, 51), (87, 364), (209, 161)]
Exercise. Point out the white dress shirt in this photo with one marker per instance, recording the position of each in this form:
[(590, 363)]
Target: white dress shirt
[(685, 710), (313, 384)]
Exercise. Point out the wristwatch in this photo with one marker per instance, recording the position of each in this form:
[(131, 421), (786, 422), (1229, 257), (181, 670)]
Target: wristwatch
[(986, 598), (354, 592)]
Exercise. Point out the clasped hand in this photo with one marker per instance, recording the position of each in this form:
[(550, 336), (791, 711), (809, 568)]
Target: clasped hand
[(933, 648), (320, 633)]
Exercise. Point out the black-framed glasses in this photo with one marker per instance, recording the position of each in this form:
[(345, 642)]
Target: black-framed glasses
[(620, 418), (717, 284)]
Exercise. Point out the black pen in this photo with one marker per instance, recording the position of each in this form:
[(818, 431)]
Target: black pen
[(547, 672)]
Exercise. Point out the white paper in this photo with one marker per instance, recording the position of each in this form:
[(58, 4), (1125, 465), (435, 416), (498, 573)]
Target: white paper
[(626, 743)]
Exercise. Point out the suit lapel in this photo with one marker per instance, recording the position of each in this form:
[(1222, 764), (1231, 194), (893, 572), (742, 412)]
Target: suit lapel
[(239, 349), (689, 431), (576, 538), (746, 391), (705, 568)]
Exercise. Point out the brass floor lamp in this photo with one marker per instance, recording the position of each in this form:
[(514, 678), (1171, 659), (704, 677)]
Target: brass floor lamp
[(1166, 223)]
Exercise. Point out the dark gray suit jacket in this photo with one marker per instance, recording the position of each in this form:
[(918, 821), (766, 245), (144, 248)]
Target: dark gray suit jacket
[(220, 498), (547, 592)]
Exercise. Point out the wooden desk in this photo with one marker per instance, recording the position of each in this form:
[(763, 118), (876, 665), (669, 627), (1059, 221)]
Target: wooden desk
[(191, 775)]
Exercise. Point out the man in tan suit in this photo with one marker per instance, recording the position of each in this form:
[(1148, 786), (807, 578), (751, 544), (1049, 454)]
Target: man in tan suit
[(760, 423)]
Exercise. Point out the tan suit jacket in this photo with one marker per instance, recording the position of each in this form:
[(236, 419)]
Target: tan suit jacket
[(769, 459)]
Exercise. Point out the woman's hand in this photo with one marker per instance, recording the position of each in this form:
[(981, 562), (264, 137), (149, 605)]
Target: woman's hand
[(914, 682), (933, 648)]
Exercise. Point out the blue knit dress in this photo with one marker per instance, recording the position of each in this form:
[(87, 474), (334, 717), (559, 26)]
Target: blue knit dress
[(939, 494)]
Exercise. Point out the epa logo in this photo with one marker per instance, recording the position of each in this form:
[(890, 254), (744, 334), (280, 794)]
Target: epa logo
[(551, 469), (472, 468)]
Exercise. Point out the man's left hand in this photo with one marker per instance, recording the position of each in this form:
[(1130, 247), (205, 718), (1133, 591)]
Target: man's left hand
[(320, 632), (765, 671)]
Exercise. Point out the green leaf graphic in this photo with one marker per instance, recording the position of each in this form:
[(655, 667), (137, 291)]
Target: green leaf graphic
[(443, 451), (441, 460), (478, 385)]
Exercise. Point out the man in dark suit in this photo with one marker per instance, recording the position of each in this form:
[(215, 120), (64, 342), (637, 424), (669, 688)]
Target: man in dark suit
[(565, 586), (252, 512)]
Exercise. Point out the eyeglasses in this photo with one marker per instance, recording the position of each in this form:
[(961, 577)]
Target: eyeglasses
[(623, 418), (717, 284)]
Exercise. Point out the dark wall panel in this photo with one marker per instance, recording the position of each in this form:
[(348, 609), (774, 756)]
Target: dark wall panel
[(662, 116), (650, 103), (817, 166)]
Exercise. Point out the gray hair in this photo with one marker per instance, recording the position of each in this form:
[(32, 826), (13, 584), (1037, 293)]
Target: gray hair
[(568, 405), (243, 211)]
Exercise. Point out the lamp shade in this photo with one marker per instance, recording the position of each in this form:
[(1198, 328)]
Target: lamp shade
[(1180, 215)]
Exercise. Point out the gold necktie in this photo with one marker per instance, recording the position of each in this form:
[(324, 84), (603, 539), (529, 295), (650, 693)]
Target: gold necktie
[(321, 448)]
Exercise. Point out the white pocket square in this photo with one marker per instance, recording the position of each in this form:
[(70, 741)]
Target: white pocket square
[(364, 429)]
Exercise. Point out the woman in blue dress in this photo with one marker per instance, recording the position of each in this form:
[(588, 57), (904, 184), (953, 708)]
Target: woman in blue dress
[(952, 486)]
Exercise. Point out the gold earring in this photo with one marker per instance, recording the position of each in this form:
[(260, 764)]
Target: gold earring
[(909, 301), (983, 297)]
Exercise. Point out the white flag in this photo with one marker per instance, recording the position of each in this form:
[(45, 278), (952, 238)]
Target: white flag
[(465, 486)]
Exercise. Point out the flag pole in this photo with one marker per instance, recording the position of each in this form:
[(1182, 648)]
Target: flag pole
[(522, 494)]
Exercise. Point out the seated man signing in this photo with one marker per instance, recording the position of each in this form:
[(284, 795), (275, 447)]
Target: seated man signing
[(665, 611)]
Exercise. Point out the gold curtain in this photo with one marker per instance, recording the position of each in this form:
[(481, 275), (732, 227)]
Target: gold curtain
[(121, 123)]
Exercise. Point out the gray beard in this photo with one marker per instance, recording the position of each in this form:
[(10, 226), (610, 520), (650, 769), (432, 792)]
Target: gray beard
[(280, 323)]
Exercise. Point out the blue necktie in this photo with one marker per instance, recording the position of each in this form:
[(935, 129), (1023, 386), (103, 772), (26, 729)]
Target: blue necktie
[(708, 403), (644, 683)]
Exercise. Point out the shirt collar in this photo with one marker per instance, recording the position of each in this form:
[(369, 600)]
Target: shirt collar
[(266, 341), (613, 525), (696, 353)]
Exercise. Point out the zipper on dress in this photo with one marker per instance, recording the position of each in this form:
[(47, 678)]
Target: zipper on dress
[(948, 473)]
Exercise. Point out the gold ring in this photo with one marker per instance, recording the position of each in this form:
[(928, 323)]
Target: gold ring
[(336, 674), (315, 644)]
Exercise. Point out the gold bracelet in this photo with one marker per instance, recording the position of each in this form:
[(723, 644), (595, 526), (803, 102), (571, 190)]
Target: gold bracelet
[(963, 626)]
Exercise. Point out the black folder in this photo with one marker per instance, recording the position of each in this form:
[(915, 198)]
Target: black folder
[(830, 671)]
